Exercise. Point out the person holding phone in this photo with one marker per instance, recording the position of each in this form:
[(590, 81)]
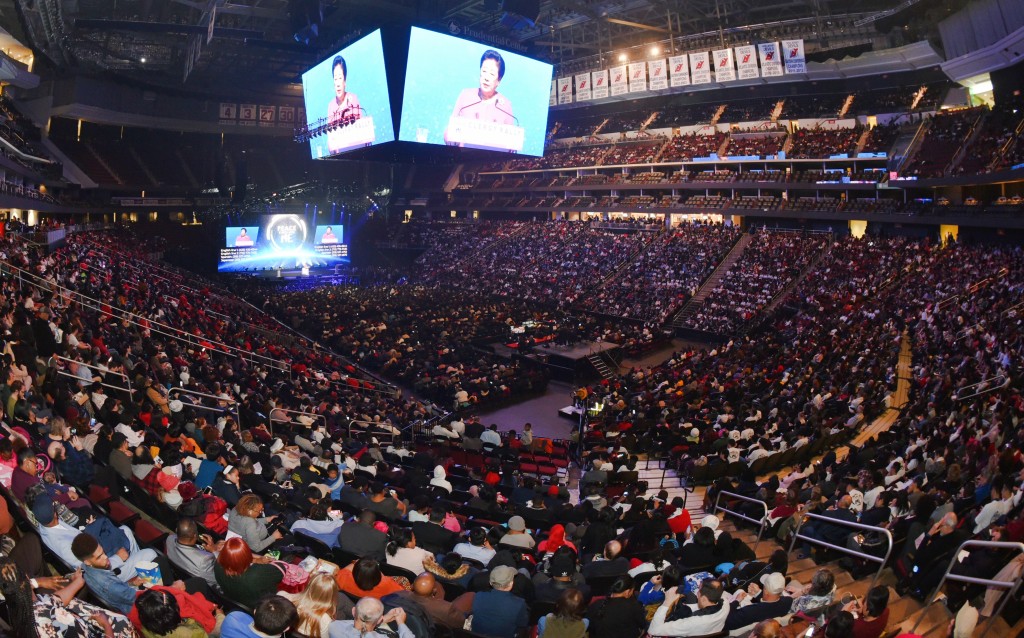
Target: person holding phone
[(192, 552), (708, 616)]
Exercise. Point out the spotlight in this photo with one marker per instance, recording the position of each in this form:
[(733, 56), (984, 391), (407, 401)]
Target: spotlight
[(623, 57), (142, 60), (655, 50)]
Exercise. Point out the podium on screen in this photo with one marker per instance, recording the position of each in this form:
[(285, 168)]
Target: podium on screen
[(473, 133), (358, 134)]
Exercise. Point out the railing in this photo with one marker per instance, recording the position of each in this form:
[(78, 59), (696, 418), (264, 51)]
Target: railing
[(762, 523), (1012, 586), (846, 550), (31, 279), (200, 406), (380, 434), (127, 383), (312, 415), (990, 384)]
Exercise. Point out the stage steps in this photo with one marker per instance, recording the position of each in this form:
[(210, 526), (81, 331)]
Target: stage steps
[(601, 366)]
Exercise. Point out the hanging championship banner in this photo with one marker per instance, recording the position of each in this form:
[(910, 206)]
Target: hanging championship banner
[(583, 88), (657, 75), (679, 70), (637, 77), (565, 90), (599, 80), (746, 62), (795, 60), (700, 68), (618, 83), (725, 71), (553, 96), (771, 62)]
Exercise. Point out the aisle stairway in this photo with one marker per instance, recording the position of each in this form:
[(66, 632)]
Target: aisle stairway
[(709, 284)]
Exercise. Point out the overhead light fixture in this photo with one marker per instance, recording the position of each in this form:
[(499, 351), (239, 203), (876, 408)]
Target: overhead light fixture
[(142, 59), (623, 57), (655, 50)]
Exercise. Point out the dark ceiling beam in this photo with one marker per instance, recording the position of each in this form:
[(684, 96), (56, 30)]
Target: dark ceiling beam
[(235, 9), (164, 27)]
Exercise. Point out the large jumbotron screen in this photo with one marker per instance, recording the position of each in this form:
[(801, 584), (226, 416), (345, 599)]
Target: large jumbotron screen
[(282, 242), (346, 99), (462, 93)]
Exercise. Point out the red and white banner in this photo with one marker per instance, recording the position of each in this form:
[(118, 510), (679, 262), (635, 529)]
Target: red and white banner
[(794, 52), (679, 70), (637, 77), (228, 111), (700, 68), (286, 116), (746, 62), (553, 96), (657, 75), (565, 90), (771, 60), (725, 70), (247, 115), (268, 115), (583, 88), (599, 82), (619, 83)]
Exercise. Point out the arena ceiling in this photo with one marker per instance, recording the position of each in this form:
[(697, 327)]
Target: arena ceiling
[(165, 42)]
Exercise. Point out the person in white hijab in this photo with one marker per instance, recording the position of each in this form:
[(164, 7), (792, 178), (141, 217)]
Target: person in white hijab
[(440, 479)]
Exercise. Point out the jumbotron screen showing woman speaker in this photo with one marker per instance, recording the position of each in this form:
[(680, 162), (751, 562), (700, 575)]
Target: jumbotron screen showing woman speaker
[(472, 95), (347, 101)]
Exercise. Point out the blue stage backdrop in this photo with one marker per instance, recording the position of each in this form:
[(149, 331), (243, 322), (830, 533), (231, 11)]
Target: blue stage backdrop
[(443, 78), (366, 80)]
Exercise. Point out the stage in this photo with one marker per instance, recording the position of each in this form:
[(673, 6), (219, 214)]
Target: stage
[(572, 363)]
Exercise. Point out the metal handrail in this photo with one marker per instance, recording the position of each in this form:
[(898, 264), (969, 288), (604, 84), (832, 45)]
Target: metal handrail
[(384, 433), (123, 375), (313, 415), (238, 410), (760, 523), (1013, 309), (985, 386), (119, 313), (1012, 586), (846, 550)]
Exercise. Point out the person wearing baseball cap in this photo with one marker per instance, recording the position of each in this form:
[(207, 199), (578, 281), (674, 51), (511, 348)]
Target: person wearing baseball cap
[(499, 612), (517, 534), (563, 575), (760, 602)]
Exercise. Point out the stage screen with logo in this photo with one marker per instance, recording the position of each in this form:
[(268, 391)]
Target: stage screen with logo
[(286, 242), (463, 93), (346, 97)]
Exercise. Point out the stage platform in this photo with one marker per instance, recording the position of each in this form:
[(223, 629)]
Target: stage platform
[(570, 362)]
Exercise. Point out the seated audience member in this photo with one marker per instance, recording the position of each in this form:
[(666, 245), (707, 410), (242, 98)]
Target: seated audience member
[(567, 619), (226, 486), (242, 577), (102, 580), (322, 524), (25, 479), (757, 603), (403, 552), (562, 577), (429, 594), (872, 613), (364, 578), (706, 617), (60, 613), (193, 553), (499, 612), (358, 536), (620, 614), (608, 563), (432, 535), (118, 542), (271, 618), (160, 617), (517, 534), (367, 618), (478, 548), (317, 605), (247, 520), (817, 594)]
